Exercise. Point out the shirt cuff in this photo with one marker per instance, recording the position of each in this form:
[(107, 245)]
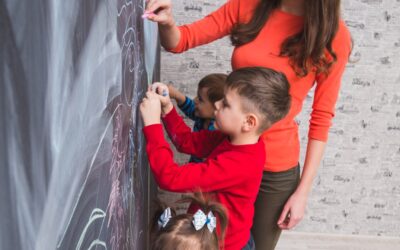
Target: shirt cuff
[(179, 48), (318, 135), (153, 132), (185, 103)]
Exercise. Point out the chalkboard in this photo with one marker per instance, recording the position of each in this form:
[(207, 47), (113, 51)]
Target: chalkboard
[(73, 171)]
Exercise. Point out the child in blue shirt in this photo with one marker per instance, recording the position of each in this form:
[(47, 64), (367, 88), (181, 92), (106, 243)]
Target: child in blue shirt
[(201, 109)]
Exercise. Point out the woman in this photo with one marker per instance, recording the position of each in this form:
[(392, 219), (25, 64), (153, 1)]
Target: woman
[(306, 40)]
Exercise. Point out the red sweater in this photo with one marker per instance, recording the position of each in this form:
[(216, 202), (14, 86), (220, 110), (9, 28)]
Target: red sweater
[(231, 172), (281, 140)]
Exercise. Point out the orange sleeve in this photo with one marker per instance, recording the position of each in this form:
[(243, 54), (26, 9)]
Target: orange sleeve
[(327, 89), (212, 27)]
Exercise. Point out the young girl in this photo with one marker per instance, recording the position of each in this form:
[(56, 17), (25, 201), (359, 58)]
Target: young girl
[(189, 231), (201, 109)]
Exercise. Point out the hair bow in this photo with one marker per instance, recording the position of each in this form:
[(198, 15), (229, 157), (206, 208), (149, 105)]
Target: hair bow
[(200, 219), (165, 217)]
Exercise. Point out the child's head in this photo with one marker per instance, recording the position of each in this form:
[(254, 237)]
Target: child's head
[(210, 89), (255, 98), (179, 232)]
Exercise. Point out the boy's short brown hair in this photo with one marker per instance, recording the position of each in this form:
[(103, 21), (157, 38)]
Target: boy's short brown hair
[(215, 84), (264, 89)]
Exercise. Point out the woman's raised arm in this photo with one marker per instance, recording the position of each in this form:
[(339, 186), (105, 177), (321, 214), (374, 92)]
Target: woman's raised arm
[(160, 11)]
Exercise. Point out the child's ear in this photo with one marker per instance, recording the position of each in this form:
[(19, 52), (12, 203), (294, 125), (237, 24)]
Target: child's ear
[(251, 122)]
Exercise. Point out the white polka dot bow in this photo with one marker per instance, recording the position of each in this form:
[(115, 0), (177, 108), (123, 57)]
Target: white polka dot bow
[(165, 217), (200, 219)]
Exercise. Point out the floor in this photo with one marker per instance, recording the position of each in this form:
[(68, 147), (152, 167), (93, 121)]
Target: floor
[(311, 241)]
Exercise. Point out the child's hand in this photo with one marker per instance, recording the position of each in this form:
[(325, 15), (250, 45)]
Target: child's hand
[(160, 88), (163, 94), (172, 91), (179, 97), (150, 109)]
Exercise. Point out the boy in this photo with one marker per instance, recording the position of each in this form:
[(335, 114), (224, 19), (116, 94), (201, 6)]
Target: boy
[(202, 108), (255, 98)]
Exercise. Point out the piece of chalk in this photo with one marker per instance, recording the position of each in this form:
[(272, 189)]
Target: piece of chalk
[(146, 15)]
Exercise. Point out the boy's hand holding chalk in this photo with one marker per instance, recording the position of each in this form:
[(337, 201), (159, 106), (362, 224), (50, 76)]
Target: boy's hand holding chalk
[(160, 88), (163, 94), (150, 108)]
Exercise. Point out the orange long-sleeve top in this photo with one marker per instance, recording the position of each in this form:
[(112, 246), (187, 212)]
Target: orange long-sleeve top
[(281, 141)]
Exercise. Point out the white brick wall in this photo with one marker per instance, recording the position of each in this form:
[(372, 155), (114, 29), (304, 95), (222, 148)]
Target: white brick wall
[(357, 190)]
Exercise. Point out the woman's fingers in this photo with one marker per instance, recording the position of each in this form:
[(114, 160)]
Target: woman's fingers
[(284, 218), (289, 218), (156, 18), (157, 6), (292, 222), (159, 11), (149, 4)]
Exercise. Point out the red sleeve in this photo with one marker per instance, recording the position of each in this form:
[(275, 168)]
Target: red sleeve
[(212, 27), (199, 144), (327, 89), (213, 174)]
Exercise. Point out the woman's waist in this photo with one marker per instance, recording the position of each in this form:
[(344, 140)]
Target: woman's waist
[(281, 133), (282, 147)]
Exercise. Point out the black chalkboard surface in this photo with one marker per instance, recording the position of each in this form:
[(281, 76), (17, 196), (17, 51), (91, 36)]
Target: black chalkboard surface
[(73, 171)]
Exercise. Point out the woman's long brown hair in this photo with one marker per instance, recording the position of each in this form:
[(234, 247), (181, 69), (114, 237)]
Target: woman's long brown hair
[(309, 49)]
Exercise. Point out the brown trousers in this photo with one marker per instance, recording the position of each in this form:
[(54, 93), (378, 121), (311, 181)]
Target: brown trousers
[(275, 190)]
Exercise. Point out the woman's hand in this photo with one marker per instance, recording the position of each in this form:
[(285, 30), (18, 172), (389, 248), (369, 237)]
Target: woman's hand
[(160, 11), (293, 211), (294, 208)]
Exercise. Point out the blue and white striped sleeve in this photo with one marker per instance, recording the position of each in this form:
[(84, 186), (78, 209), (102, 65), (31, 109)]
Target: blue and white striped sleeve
[(188, 108)]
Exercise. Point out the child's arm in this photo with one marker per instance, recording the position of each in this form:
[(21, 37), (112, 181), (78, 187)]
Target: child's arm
[(184, 103), (176, 94), (199, 144), (188, 108), (213, 174)]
